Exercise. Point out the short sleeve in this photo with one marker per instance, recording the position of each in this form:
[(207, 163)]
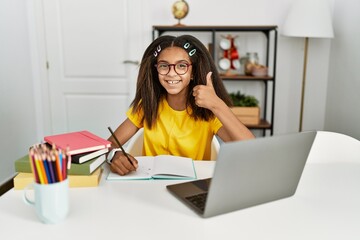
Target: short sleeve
[(136, 118), (216, 125)]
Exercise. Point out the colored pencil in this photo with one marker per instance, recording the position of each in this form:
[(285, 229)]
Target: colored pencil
[(33, 167), (42, 169), (48, 165), (53, 163), (63, 164), (58, 167), (39, 170), (46, 168)]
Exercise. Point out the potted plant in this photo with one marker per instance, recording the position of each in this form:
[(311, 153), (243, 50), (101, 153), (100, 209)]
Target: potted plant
[(246, 108)]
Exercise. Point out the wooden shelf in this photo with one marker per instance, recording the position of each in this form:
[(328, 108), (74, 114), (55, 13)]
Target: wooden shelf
[(246, 78), (262, 125)]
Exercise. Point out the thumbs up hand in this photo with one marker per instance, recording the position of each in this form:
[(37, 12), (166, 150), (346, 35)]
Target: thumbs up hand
[(205, 95), (209, 81)]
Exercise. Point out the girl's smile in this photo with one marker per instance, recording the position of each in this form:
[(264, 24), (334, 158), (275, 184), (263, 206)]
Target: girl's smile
[(172, 82)]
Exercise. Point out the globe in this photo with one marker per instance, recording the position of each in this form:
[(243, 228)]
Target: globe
[(180, 9)]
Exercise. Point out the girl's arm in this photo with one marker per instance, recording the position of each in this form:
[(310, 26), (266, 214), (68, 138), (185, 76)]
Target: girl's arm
[(232, 129), (124, 132)]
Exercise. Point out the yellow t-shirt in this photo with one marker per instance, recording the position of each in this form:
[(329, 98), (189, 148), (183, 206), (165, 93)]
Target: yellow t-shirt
[(176, 133)]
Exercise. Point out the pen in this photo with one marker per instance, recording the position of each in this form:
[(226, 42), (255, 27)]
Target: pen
[(122, 149)]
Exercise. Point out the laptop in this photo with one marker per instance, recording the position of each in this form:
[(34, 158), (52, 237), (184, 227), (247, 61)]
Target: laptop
[(248, 173)]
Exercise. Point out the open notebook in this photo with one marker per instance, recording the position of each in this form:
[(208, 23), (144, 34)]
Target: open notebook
[(159, 167)]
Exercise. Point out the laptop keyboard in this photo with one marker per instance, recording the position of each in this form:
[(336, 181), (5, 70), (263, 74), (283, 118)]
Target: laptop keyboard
[(198, 200)]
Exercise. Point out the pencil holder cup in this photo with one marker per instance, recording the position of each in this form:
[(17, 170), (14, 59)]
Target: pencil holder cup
[(51, 201)]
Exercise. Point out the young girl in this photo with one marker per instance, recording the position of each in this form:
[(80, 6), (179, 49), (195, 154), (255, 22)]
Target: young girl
[(180, 102)]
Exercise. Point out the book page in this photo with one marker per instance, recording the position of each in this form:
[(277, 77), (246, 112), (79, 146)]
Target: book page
[(167, 166), (144, 170)]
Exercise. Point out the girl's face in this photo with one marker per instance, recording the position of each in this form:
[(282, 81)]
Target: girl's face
[(175, 82)]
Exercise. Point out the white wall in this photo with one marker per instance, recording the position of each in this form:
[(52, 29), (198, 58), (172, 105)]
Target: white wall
[(20, 126), (342, 109)]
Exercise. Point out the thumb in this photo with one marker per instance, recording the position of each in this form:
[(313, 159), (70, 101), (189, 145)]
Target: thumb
[(208, 79)]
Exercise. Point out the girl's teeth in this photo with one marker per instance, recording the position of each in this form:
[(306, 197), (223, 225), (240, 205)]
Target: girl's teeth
[(172, 82)]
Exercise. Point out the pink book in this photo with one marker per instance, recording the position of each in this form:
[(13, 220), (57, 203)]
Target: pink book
[(78, 142)]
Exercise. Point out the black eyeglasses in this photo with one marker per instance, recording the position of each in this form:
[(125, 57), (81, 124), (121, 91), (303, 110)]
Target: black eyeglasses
[(179, 68)]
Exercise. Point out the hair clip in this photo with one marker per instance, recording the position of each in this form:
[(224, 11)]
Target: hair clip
[(192, 52), (158, 49)]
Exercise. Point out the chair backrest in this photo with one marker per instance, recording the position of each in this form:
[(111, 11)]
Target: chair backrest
[(334, 147), (137, 141)]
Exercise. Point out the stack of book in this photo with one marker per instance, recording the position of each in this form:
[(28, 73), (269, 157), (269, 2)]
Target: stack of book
[(87, 153)]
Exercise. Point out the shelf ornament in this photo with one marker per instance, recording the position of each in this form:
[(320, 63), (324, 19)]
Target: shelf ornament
[(180, 10), (230, 59)]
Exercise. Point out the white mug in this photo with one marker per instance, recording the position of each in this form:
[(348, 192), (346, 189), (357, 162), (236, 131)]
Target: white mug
[(51, 201)]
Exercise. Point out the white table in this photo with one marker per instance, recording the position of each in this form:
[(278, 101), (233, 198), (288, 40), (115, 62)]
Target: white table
[(325, 206)]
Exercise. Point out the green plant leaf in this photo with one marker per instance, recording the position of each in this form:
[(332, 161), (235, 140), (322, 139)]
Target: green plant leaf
[(242, 100)]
